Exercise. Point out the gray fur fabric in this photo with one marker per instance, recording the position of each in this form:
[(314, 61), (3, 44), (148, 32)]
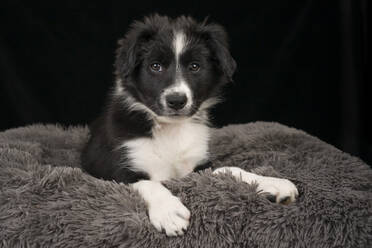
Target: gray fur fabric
[(47, 201)]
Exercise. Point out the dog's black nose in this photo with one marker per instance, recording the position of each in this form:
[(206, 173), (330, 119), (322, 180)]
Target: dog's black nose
[(176, 101)]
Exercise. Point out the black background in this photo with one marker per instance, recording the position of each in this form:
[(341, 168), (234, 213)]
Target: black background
[(300, 63)]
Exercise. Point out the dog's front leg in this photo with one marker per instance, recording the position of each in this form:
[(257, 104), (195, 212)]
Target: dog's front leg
[(278, 189), (166, 211)]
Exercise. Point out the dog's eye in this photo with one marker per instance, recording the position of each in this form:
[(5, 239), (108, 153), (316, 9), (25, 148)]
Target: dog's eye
[(194, 67), (156, 67)]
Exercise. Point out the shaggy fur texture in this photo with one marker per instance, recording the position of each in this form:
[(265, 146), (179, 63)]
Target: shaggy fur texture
[(47, 201)]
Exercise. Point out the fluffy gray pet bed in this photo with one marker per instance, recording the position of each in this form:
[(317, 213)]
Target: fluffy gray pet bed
[(47, 201)]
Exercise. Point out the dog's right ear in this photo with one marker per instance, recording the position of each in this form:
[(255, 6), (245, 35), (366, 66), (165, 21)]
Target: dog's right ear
[(128, 54), (216, 38)]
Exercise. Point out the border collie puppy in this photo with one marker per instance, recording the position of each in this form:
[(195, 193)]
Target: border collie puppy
[(155, 125)]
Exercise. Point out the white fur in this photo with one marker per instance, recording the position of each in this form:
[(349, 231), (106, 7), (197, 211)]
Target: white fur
[(134, 105), (281, 188), (118, 87), (208, 103), (173, 152), (180, 86), (165, 210), (130, 102), (179, 43)]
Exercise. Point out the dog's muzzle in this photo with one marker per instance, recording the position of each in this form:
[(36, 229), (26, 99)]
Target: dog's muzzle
[(176, 101)]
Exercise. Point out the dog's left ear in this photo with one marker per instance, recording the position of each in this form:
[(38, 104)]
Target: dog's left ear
[(217, 40)]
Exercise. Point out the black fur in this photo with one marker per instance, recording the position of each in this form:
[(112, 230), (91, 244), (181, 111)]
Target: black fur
[(147, 42)]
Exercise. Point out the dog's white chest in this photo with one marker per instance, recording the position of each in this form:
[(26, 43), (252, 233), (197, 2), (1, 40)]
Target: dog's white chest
[(173, 152)]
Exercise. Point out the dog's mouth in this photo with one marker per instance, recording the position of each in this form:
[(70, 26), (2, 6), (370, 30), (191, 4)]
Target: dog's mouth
[(174, 116), (178, 114), (165, 114), (169, 115)]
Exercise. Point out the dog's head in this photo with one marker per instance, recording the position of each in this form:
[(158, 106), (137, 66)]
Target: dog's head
[(173, 67)]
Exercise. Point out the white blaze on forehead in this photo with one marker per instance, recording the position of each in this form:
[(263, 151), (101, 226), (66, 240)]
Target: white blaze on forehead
[(179, 43), (180, 86)]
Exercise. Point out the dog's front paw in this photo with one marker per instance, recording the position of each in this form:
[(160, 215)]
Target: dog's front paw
[(277, 189), (170, 215)]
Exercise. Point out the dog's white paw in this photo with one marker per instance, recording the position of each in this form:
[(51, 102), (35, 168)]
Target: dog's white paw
[(277, 189), (169, 215)]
